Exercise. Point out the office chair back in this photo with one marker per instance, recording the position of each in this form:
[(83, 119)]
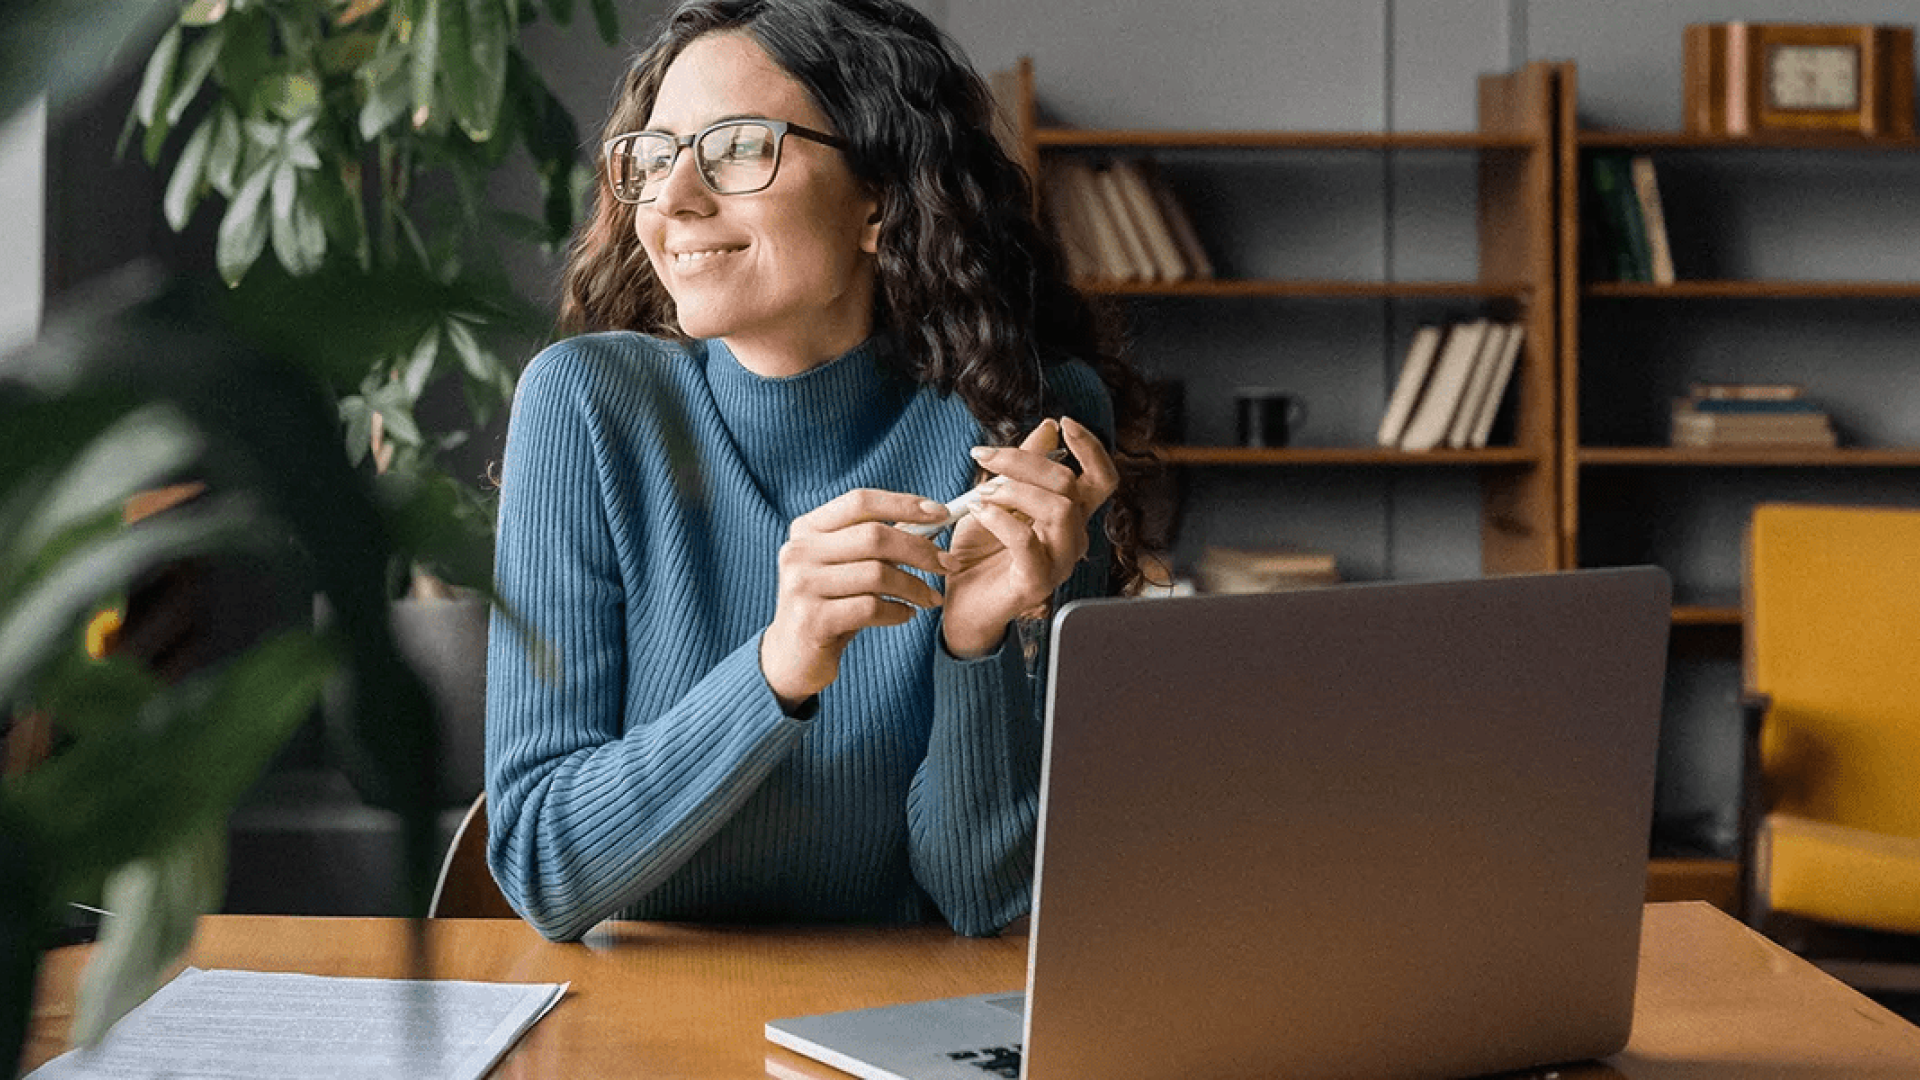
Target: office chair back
[(1833, 625), (466, 889)]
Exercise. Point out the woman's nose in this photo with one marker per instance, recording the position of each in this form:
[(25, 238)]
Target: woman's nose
[(683, 190)]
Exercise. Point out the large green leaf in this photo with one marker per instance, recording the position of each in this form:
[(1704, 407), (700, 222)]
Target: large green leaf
[(156, 902), (300, 235), (419, 366), (390, 400), (156, 86), (188, 181), (385, 91), (424, 58), (225, 150), (244, 228), (472, 92), (137, 452), (193, 73)]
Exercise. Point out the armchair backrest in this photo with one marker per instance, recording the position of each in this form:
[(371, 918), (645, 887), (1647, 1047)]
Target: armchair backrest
[(1833, 638)]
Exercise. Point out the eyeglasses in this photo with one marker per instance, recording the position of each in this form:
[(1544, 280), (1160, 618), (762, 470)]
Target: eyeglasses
[(735, 157)]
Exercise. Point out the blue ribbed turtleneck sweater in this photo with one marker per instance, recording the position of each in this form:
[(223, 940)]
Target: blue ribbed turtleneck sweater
[(652, 774)]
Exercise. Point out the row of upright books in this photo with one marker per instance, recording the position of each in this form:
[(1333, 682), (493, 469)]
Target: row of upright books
[(1119, 221), (1751, 415), (1451, 384), (1626, 236)]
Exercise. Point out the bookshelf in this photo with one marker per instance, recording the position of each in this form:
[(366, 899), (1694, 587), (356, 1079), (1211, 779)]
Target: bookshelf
[(1512, 155), (1767, 300), (1691, 300)]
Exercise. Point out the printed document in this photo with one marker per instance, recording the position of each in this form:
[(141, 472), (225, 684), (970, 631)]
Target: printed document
[(237, 1025)]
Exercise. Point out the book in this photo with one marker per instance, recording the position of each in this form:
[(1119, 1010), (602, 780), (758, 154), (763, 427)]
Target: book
[(1745, 391), (1091, 208), (1070, 227), (1612, 183), (1433, 416), (1135, 246), (1696, 427), (1755, 405), (1497, 389), (1468, 414), (1414, 371), (1152, 224), (1192, 251), (1646, 190)]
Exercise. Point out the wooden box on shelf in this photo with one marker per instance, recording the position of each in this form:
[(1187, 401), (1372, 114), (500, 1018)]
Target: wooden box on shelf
[(1742, 79)]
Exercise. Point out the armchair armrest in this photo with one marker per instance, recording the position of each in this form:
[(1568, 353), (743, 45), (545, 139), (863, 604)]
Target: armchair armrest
[(1754, 707)]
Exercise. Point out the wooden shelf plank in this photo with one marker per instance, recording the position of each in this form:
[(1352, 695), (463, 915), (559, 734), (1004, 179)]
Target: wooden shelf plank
[(1706, 615), (1853, 457), (1343, 455), (1325, 289), (1149, 139), (1756, 290), (1650, 139)]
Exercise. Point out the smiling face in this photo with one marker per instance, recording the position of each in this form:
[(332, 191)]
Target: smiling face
[(785, 275)]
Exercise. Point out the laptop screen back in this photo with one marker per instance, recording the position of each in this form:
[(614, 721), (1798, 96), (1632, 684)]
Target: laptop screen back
[(1381, 830)]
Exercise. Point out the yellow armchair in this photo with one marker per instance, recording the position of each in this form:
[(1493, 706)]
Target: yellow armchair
[(1831, 821)]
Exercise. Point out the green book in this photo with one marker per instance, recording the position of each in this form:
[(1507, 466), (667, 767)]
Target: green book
[(1613, 185)]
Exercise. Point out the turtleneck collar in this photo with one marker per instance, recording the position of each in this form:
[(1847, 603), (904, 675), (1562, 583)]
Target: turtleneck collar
[(801, 435)]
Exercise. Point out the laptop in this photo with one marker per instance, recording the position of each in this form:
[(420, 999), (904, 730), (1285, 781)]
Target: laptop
[(1395, 831)]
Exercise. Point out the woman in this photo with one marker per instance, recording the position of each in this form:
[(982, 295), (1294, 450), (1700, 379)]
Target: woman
[(815, 306)]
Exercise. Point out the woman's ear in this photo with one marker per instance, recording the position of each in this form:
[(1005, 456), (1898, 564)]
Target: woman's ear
[(870, 233)]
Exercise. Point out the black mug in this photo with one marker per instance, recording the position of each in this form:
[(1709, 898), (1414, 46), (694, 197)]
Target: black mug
[(1267, 416)]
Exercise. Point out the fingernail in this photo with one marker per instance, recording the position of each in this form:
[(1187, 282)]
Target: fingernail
[(981, 453), (928, 506)]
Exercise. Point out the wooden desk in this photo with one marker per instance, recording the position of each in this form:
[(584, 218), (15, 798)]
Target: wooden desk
[(1716, 1001)]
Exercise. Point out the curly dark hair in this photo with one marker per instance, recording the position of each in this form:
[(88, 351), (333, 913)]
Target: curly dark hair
[(974, 288)]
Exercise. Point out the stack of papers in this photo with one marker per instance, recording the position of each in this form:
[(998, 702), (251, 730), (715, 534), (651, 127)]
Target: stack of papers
[(244, 1024)]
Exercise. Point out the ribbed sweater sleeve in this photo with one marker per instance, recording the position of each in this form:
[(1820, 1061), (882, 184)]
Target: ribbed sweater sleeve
[(973, 810), (589, 811)]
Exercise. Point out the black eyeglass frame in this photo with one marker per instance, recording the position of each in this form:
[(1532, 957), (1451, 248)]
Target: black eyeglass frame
[(780, 128)]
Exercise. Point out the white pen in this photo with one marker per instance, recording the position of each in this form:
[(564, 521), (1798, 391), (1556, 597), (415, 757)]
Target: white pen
[(967, 503)]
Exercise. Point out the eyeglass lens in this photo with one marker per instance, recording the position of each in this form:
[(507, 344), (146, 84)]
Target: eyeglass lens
[(733, 159)]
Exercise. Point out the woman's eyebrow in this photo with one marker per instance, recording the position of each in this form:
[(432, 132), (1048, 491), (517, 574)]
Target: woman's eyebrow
[(714, 120)]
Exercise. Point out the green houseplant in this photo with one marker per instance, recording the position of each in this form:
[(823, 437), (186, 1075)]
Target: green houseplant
[(358, 136), (149, 380)]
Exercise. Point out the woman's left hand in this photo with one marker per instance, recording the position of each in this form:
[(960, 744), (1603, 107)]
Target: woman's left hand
[(1008, 556)]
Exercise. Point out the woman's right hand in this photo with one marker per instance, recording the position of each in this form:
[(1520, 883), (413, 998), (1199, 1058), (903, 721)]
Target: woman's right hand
[(842, 571)]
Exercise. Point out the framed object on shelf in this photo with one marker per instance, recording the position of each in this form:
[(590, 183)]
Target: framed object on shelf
[(1745, 79)]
